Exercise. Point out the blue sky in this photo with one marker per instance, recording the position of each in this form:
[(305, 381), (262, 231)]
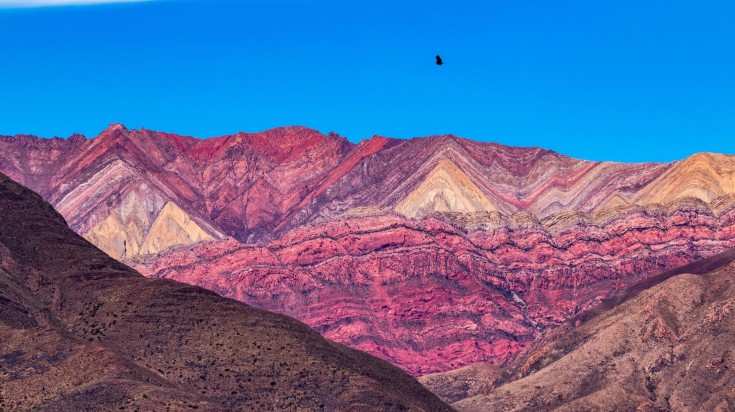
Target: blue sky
[(604, 80)]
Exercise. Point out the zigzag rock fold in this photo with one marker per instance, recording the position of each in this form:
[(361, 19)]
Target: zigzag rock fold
[(433, 253)]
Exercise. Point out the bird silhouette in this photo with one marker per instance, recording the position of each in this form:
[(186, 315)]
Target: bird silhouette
[(439, 61)]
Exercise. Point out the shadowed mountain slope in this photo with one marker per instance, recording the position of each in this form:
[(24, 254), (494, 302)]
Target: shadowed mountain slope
[(81, 331)]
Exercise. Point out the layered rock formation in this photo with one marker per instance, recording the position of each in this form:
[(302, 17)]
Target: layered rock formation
[(704, 176), (430, 295), (80, 331), (445, 189), (663, 345), (433, 253), (128, 231), (112, 188), (256, 186)]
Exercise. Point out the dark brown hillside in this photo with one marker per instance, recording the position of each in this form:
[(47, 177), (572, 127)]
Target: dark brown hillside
[(80, 331)]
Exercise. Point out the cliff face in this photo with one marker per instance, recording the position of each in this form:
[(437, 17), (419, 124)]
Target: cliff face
[(81, 331), (433, 253)]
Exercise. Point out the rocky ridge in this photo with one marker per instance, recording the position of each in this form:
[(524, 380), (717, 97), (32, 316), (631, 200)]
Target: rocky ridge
[(256, 186)]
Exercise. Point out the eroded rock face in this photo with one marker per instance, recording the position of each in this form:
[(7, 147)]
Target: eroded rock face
[(704, 176), (445, 189), (173, 227), (144, 226)]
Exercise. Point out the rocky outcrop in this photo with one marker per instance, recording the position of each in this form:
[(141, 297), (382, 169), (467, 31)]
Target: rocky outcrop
[(663, 345), (463, 383), (81, 331)]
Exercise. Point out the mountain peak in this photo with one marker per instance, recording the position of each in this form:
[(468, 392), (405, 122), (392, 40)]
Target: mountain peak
[(116, 133), (292, 135), (116, 126), (77, 137), (445, 189)]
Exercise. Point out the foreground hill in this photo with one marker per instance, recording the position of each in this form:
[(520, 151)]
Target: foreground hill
[(665, 344), (80, 331)]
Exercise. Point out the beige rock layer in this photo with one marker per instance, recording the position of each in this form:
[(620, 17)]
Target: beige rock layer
[(123, 231), (445, 189), (704, 176), (127, 231), (172, 227)]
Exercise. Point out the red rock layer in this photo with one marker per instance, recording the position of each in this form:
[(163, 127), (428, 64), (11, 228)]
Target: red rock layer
[(431, 296)]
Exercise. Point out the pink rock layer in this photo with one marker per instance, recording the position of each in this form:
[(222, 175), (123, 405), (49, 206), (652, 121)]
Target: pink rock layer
[(430, 296)]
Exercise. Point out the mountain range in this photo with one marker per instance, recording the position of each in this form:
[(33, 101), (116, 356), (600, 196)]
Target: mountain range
[(433, 253)]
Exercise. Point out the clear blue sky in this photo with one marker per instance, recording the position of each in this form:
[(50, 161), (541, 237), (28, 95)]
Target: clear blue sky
[(625, 80)]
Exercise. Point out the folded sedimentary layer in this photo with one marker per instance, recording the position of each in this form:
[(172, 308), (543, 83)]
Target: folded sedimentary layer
[(430, 295)]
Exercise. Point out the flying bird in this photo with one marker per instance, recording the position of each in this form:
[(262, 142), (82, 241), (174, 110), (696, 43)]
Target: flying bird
[(439, 61)]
